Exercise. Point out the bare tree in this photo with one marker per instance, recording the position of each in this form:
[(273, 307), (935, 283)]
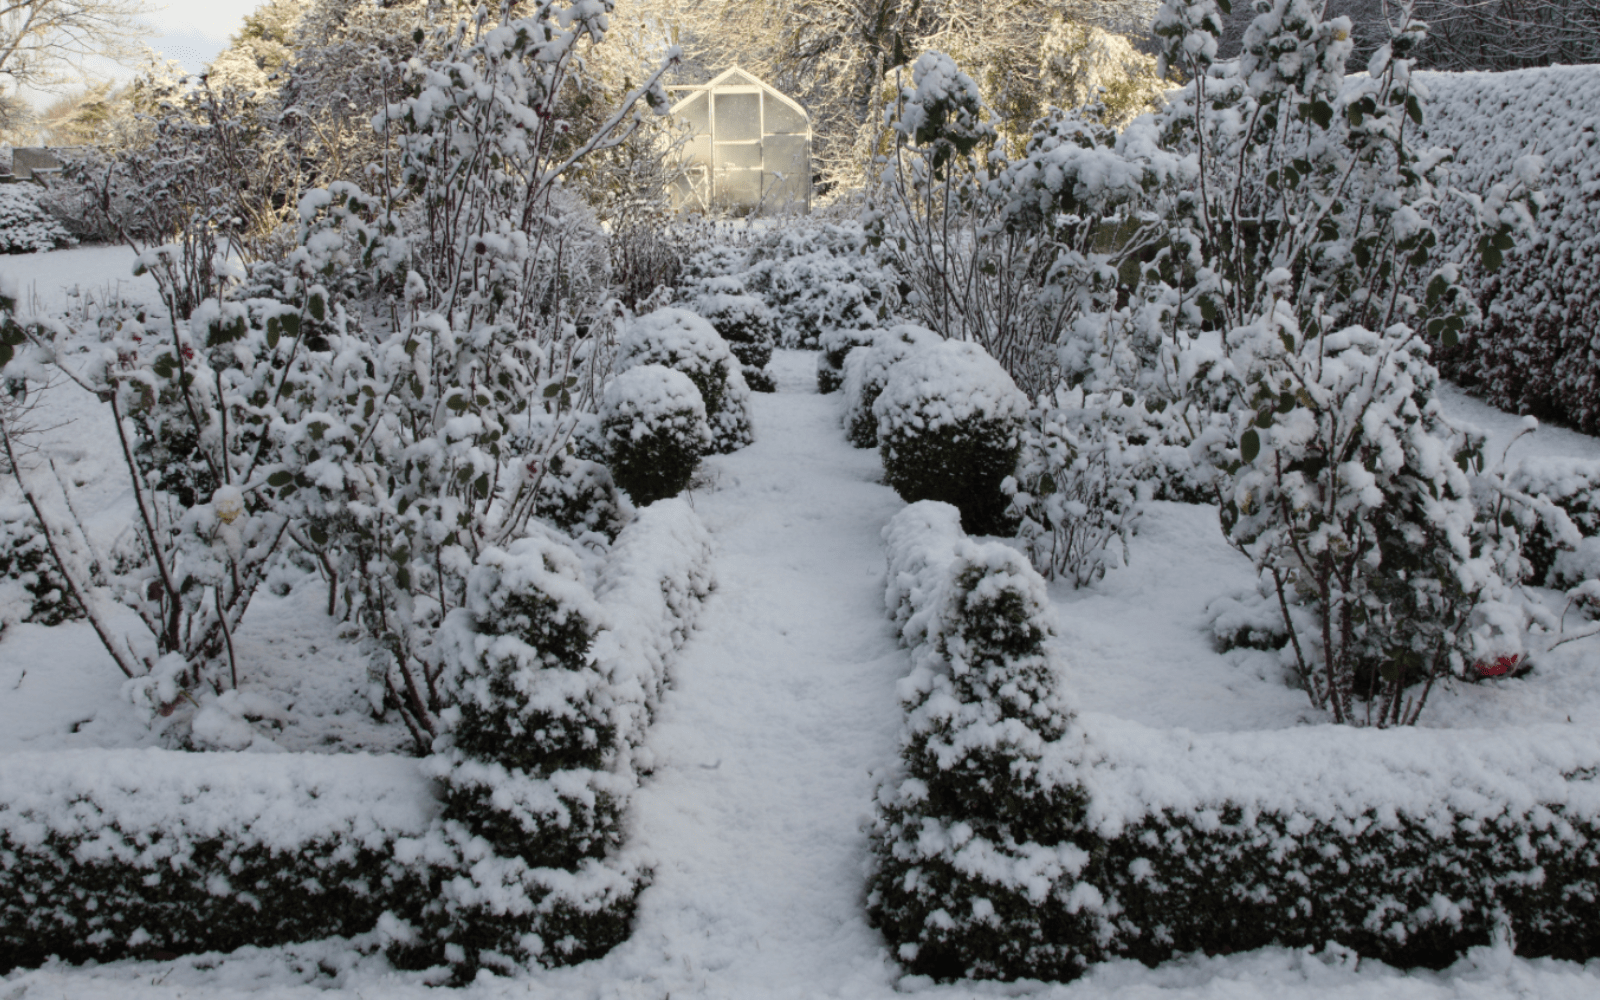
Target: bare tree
[(45, 43)]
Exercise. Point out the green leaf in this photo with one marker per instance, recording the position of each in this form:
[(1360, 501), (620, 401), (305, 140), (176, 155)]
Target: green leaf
[(1047, 484), (318, 306), (1288, 340), (274, 331), (291, 324), (551, 390), (318, 534), (1450, 338), (1414, 108), (1249, 445), (280, 478), (481, 486), (1225, 6), (1264, 418), (1285, 402), (1502, 240)]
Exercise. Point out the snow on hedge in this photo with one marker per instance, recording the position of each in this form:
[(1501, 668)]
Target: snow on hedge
[(25, 225), (105, 853), (1542, 308), (513, 856), (1013, 845)]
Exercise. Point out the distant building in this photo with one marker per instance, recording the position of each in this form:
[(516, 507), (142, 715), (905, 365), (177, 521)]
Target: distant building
[(29, 160), (749, 148)]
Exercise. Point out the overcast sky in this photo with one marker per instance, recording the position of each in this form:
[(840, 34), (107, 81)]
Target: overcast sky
[(194, 31)]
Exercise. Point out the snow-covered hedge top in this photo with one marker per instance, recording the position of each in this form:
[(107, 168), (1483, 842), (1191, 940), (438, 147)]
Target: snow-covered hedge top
[(1334, 774), (732, 307), (654, 580), (869, 366), (920, 542), (677, 338), (648, 395), (277, 801), (946, 383), (1494, 121)]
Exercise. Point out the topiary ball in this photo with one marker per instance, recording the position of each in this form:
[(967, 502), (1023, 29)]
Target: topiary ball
[(655, 429), (950, 426), (687, 343), (866, 372)]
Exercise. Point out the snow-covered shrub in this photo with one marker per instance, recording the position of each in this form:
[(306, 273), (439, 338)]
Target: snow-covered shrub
[(950, 424), (745, 322), (578, 496), (1081, 486), (687, 343), (836, 346), (1549, 546), (126, 854), (817, 279), (974, 817), (25, 225), (1534, 352), (866, 372), (31, 588), (655, 428), (1020, 841), (1301, 329)]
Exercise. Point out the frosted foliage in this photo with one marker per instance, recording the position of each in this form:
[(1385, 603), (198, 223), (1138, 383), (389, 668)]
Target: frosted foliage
[(1535, 353), (943, 384), (942, 109), (866, 372), (652, 396), (688, 343), (25, 226)]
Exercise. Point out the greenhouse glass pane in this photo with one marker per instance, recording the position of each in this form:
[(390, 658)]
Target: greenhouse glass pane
[(782, 118), (696, 114), (739, 154), (738, 188), (738, 117), (788, 154)]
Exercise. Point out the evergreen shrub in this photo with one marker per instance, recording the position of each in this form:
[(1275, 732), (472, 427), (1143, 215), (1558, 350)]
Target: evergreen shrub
[(655, 431), (31, 588), (686, 342), (109, 854), (836, 346), (1019, 841), (1558, 554), (866, 372), (950, 426), (25, 225), (745, 322)]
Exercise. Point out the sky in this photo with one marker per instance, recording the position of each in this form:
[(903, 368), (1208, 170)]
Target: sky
[(191, 32), (194, 31)]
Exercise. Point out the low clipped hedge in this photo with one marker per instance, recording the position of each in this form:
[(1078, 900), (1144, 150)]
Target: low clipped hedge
[(1020, 841), (502, 850), (124, 854)]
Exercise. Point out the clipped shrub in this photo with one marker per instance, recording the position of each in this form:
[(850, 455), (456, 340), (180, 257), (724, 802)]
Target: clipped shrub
[(31, 588), (1020, 842), (110, 854), (687, 343), (655, 431), (836, 346), (866, 372), (526, 768), (578, 496), (1535, 352), (25, 225), (950, 429), (745, 322)]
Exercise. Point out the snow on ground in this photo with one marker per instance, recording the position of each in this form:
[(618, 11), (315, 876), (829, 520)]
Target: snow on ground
[(781, 708)]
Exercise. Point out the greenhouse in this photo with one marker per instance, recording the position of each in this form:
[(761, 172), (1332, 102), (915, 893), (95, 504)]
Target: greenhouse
[(749, 148)]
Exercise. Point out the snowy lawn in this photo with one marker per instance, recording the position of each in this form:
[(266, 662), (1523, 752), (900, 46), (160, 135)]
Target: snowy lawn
[(782, 707)]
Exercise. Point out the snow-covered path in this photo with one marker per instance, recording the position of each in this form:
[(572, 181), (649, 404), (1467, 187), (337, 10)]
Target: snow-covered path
[(781, 705)]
